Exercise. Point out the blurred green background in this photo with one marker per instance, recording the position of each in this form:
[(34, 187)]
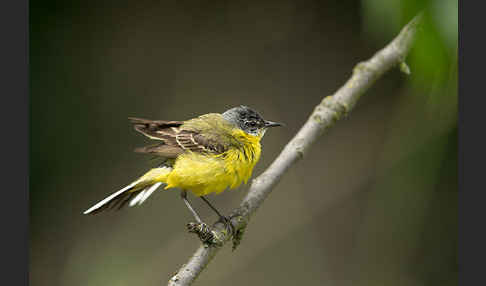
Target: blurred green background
[(374, 204)]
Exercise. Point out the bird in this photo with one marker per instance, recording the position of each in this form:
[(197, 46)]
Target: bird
[(203, 155)]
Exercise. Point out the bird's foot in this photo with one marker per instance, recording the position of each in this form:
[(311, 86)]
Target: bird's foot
[(207, 235), (236, 234), (228, 224), (204, 232)]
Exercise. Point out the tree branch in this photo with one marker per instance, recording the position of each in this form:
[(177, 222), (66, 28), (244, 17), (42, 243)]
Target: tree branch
[(331, 109)]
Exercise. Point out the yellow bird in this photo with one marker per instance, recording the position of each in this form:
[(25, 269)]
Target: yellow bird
[(207, 154)]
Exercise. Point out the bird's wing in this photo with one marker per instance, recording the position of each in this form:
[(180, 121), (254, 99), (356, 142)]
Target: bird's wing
[(175, 140)]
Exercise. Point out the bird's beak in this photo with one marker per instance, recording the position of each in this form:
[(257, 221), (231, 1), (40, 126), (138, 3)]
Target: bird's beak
[(273, 124)]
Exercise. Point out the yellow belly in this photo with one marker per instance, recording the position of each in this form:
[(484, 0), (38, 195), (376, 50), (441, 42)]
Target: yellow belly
[(204, 174)]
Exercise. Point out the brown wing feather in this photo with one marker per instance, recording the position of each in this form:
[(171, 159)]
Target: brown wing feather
[(175, 141), (162, 149), (155, 129)]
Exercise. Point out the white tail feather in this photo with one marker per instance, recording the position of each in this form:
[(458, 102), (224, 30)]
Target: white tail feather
[(109, 198), (149, 192), (134, 190), (138, 196)]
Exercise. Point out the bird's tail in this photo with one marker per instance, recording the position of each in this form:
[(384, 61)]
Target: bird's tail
[(133, 194)]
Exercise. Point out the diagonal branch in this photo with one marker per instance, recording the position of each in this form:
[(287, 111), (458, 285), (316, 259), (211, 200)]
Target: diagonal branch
[(331, 109)]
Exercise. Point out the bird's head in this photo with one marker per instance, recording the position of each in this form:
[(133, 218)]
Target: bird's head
[(248, 120)]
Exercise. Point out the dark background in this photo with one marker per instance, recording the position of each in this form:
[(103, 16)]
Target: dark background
[(375, 202)]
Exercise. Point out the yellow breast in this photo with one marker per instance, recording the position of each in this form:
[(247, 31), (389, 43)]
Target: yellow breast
[(206, 173)]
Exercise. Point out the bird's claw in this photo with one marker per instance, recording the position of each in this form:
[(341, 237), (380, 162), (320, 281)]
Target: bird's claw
[(228, 224), (202, 230)]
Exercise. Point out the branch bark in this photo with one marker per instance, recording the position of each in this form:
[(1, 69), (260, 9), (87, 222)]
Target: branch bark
[(331, 109)]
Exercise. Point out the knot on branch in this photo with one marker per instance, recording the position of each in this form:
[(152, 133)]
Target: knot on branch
[(364, 67), (237, 237), (335, 106), (403, 65), (240, 221)]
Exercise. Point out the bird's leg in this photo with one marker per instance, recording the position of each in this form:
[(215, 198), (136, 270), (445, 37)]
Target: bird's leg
[(222, 218), (189, 206), (212, 207), (200, 228)]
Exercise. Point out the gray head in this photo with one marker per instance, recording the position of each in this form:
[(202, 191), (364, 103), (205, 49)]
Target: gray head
[(248, 120)]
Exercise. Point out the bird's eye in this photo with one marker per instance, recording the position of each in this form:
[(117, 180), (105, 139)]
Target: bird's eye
[(252, 123)]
